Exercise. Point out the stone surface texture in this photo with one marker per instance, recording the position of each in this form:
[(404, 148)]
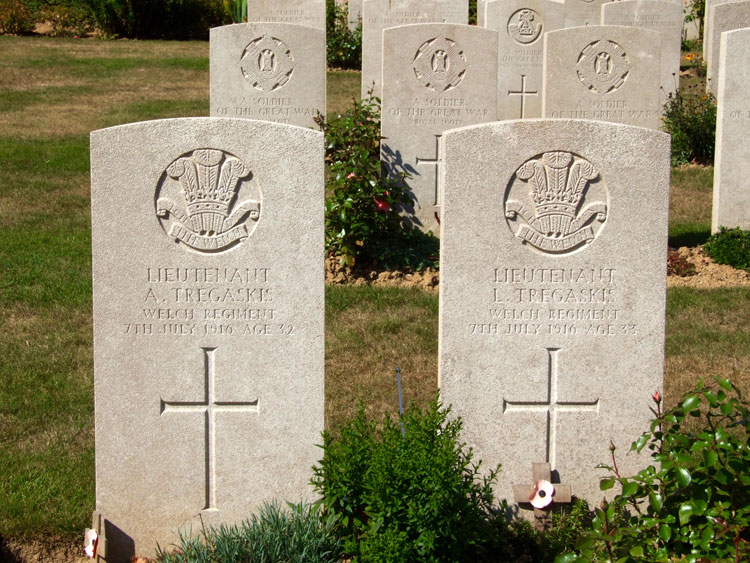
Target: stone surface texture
[(722, 17), (354, 13), (208, 323), (521, 25), (583, 12), (731, 205), (382, 14), (657, 15), (269, 71), (708, 4), (301, 12), (552, 314), (436, 77), (604, 72)]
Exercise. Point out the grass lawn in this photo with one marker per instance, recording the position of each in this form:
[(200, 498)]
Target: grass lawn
[(53, 92)]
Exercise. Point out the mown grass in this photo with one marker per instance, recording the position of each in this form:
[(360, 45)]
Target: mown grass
[(52, 93)]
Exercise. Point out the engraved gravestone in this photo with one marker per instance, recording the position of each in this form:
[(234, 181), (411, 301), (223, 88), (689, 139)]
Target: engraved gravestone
[(269, 71), (456, 11), (436, 77), (583, 12), (723, 17), (302, 12), (207, 238), (657, 15), (521, 25), (552, 292), (354, 13), (382, 14), (707, 5), (731, 202), (603, 72)]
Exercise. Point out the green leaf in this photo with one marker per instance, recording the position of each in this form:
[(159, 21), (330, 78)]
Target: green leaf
[(629, 489), (683, 477), (685, 512), (710, 457), (636, 551), (641, 442), (665, 532), (655, 501), (607, 483), (691, 402)]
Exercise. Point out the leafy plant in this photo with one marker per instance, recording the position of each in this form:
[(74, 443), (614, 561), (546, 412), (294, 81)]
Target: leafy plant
[(691, 120), (16, 17), (343, 45), (693, 502), (68, 19), (273, 535), (237, 10), (405, 493), (361, 208), (678, 265), (731, 247)]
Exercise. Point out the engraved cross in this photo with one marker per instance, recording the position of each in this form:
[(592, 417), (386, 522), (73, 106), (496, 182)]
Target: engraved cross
[(523, 92), (436, 163), (552, 407), (209, 406)]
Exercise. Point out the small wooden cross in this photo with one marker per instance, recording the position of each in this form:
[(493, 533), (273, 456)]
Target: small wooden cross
[(523, 494)]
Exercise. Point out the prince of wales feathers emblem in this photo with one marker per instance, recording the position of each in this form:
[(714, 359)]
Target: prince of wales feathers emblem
[(559, 182), (211, 219)]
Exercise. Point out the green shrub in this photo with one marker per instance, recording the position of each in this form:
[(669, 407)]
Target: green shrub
[(150, 19), (16, 17), (343, 46), (693, 503), (68, 19), (361, 210), (731, 247), (406, 491), (271, 536), (691, 120)]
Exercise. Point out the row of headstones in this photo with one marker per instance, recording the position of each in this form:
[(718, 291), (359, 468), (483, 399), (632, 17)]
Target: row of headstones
[(208, 297)]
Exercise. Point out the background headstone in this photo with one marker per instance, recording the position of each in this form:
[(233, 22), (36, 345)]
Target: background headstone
[(436, 77), (456, 11), (657, 15), (552, 308), (381, 14), (301, 12), (207, 238), (354, 13), (521, 25), (605, 72), (723, 17), (583, 12), (269, 71), (731, 205), (708, 4)]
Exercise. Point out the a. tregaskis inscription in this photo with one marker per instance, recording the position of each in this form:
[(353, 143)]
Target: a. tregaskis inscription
[(206, 199), (556, 202)]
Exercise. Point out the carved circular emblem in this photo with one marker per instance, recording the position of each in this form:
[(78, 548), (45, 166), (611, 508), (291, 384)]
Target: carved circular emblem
[(525, 26), (603, 66), (267, 63), (556, 202), (440, 64), (207, 200)]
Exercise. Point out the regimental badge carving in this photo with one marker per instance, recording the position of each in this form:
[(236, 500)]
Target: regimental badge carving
[(203, 200), (603, 66), (556, 202), (440, 64), (525, 26), (267, 63)]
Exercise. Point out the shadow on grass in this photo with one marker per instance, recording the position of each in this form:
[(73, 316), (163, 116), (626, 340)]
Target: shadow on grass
[(407, 250), (690, 238), (6, 555)]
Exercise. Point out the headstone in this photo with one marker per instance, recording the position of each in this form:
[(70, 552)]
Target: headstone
[(731, 205), (542, 495), (552, 293), (658, 15), (301, 12), (207, 238), (456, 11), (436, 77), (583, 12), (354, 13), (607, 72), (382, 14), (521, 25), (481, 7), (269, 71), (723, 17), (707, 5)]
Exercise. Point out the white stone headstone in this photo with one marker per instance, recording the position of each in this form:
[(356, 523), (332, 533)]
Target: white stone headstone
[(605, 72), (723, 17), (708, 4), (301, 12), (354, 13), (436, 77), (382, 14), (269, 71), (207, 238), (583, 12), (731, 205), (521, 25), (552, 293), (456, 11), (657, 15)]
